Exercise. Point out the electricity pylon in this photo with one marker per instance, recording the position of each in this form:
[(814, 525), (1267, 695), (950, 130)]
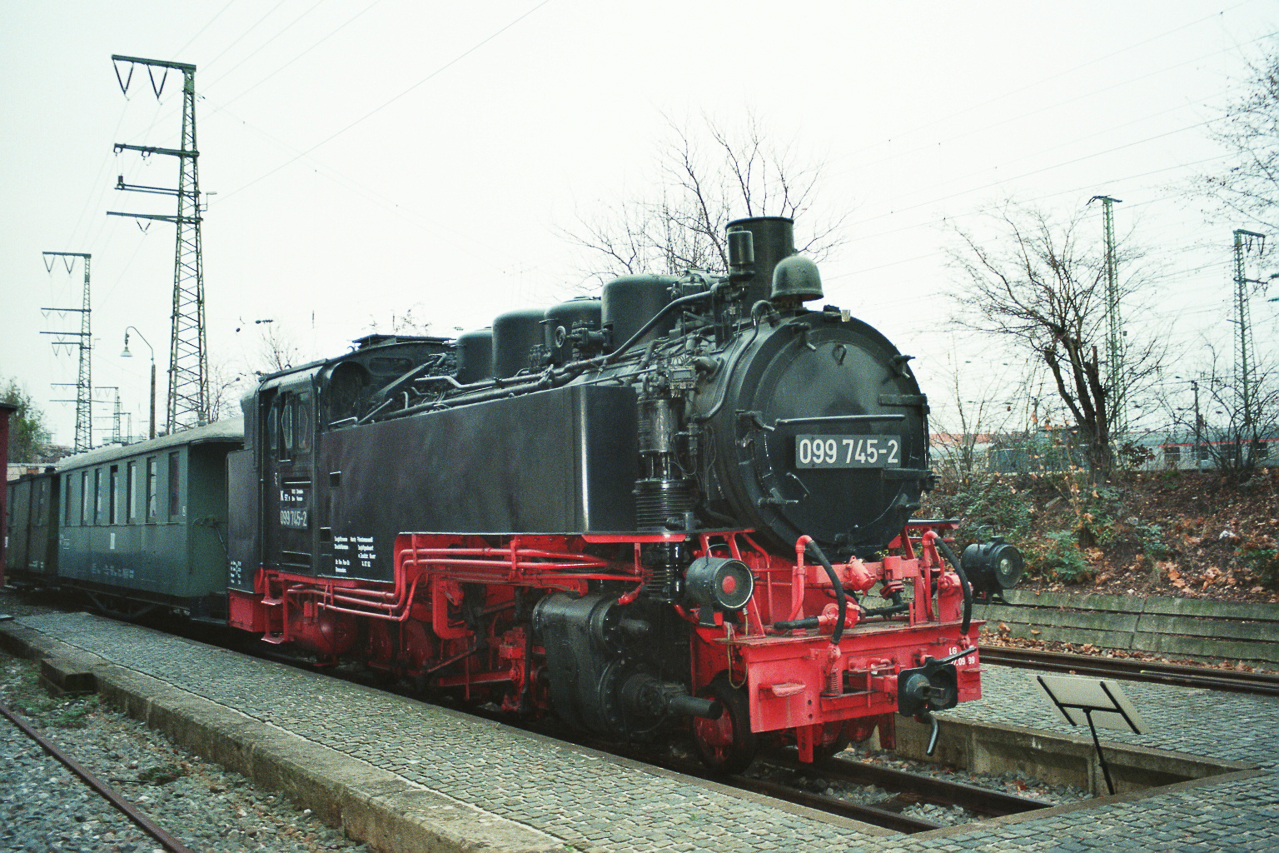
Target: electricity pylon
[(1244, 363), (1114, 331), (188, 404), (84, 381)]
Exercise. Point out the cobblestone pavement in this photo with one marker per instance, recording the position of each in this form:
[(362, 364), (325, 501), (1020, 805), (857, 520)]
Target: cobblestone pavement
[(593, 803)]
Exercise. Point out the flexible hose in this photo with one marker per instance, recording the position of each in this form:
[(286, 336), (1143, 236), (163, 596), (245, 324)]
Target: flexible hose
[(963, 583), (840, 596)]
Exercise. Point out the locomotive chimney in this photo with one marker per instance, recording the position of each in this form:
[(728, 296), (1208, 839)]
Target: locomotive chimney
[(773, 238)]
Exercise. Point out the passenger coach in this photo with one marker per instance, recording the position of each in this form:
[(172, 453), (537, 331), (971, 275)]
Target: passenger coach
[(144, 525)]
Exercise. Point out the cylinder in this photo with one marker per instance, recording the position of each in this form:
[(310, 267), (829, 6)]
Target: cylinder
[(631, 301), (662, 504), (475, 356), (515, 334)]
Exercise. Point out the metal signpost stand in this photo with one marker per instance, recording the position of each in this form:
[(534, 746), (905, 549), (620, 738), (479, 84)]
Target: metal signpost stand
[(1095, 701)]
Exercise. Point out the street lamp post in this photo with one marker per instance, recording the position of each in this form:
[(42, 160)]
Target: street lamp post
[(1198, 427), (127, 354)]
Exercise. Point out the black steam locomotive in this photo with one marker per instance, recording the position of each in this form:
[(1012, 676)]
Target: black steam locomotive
[(690, 498)]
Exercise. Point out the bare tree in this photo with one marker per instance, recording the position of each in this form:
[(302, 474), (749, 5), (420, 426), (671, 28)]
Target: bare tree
[(708, 176), (1228, 434), (277, 350), (405, 323), (965, 427), (224, 390), (1249, 131), (1043, 284)]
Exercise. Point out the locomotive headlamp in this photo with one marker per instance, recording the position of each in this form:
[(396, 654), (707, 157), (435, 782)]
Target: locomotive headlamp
[(992, 567), (719, 582)]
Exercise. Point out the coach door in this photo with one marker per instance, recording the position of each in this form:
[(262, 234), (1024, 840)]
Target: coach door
[(288, 496)]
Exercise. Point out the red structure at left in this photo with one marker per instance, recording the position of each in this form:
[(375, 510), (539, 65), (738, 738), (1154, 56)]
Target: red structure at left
[(6, 410)]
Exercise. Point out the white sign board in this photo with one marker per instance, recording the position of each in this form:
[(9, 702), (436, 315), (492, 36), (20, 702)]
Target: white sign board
[(1073, 695)]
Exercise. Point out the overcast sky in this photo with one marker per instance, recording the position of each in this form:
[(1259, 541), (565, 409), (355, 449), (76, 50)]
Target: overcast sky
[(365, 160)]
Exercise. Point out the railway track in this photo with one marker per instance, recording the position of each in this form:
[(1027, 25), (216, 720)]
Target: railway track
[(131, 811), (1234, 681), (779, 774), (901, 789)]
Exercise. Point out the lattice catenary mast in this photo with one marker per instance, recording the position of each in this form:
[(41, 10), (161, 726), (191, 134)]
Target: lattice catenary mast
[(1246, 356), (84, 381), (1114, 330), (188, 404)]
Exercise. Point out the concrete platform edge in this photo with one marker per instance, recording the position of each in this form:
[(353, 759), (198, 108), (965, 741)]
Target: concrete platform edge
[(371, 805)]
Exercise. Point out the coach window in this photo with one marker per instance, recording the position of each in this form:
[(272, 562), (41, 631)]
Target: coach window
[(130, 492), (113, 499), (97, 495), (69, 500), (152, 483), (175, 494), (84, 498)]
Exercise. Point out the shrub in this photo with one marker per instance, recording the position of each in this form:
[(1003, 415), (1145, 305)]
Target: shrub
[(1151, 537), (1057, 557), (1264, 563), (992, 502)]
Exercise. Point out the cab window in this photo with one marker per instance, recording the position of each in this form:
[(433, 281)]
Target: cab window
[(302, 422)]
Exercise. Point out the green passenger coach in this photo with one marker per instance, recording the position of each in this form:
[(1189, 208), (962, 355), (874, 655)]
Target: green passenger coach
[(31, 535), (146, 523)]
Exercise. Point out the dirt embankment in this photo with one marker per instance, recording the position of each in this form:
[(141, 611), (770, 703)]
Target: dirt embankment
[(1168, 533)]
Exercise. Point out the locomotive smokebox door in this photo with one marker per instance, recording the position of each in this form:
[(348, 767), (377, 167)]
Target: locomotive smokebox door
[(821, 408)]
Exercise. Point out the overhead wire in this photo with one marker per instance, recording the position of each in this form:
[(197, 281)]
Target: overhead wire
[(405, 92), (245, 34), (200, 31), (1064, 73), (387, 103), (264, 44), (265, 77)]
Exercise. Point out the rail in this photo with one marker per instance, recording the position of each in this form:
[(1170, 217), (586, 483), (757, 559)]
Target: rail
[(983, 801), (1234, 681), (108, 793)]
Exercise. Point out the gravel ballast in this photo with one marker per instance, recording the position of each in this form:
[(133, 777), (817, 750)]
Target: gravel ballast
[(44, 807)]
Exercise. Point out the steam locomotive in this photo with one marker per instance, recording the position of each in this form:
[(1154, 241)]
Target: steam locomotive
[(685, 503)]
